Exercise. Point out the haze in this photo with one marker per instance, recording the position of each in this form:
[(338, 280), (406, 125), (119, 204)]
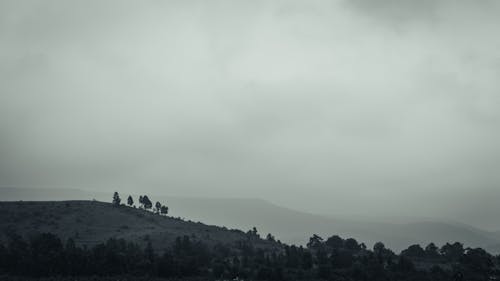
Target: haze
[(370, 108)]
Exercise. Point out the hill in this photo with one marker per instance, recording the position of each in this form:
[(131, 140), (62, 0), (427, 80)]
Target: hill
[(292, 226), (93, 222), (296, 227)]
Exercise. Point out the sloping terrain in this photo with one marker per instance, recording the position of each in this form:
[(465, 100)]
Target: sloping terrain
[(92, 222), (289, 225), (296, 227)]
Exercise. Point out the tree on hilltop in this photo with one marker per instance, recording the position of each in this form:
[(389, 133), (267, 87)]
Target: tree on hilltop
[(146, 202), (116, 199), (158, 207), (164, 210)]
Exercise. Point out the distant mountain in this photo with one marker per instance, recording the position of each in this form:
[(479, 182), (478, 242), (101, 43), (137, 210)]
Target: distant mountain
[(296, 227), (289, 225), (93, 222), (49, 194)]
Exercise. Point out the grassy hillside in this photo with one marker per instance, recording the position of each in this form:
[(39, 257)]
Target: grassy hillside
[(291, 226), (92, 222)]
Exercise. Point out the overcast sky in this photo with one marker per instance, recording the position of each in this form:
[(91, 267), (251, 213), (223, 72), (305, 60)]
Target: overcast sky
[(350, 106)]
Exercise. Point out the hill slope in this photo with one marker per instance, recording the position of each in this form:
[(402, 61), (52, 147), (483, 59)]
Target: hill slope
[(296, 227), (289, 225), (92, 222)]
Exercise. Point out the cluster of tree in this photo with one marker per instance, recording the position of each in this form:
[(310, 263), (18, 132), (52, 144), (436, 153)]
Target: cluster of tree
[(46, 255), (333, 259), (144, 203), (448, 252)]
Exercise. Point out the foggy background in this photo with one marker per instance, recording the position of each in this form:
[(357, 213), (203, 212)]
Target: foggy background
[(361, 107)]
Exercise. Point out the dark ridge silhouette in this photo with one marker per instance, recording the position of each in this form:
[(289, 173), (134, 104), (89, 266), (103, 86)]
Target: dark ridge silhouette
[(290, 226), (86, 239), (45, 255), (91, 222)]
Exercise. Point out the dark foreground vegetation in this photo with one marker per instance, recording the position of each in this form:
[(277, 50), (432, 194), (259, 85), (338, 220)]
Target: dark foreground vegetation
[(45, 256)]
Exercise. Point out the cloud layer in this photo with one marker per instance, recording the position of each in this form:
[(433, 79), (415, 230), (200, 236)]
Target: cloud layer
[(353, 107)]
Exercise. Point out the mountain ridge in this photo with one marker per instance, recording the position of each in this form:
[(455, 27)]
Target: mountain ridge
[(292, 226)]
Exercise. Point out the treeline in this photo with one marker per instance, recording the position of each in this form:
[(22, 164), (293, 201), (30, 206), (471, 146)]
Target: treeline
[(331, 259), (144, 203)]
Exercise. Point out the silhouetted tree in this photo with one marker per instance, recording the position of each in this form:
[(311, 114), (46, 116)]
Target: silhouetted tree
[(315, 242), (141, 202), (334, 242), (187, 258), (158, 207), (47, 255), (352, 244), (432, 251), (18, 255), (253, 233), (307, 260), (270, 237), (477, 260), (164, 210), (341, 258), (404, 265), (378, 248), (414, 251), (146, 202), (452, 252), (130, 200), (116, 199)]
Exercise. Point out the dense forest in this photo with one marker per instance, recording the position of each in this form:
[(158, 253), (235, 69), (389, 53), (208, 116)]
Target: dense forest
[(46, 255)]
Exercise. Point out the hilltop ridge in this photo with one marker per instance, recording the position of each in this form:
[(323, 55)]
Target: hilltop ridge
[(93, 222), (290, 225)]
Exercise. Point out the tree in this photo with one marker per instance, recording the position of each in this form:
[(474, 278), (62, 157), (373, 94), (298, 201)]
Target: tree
[(253, 233), (341, 258), (270, 237), (335, 242), (452, 252), (46, 254), (146, 202), (315, 242), (164, 210), (404, 265), (378, 249), (130, 201), (116, 199), (477, 260), (432, 251), (352, 244), (414, 251), (382, 254), (307, 260), (158, 207), (18, 254), (141, 201)]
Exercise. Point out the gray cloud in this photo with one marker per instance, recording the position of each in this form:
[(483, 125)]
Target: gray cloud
[(319, 105)]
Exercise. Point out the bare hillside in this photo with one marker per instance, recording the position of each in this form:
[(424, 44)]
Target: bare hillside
[(292, 226), (92, 222)]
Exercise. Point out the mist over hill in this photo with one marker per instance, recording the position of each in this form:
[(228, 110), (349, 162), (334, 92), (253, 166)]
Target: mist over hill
[(345, 140), (289, 225)]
